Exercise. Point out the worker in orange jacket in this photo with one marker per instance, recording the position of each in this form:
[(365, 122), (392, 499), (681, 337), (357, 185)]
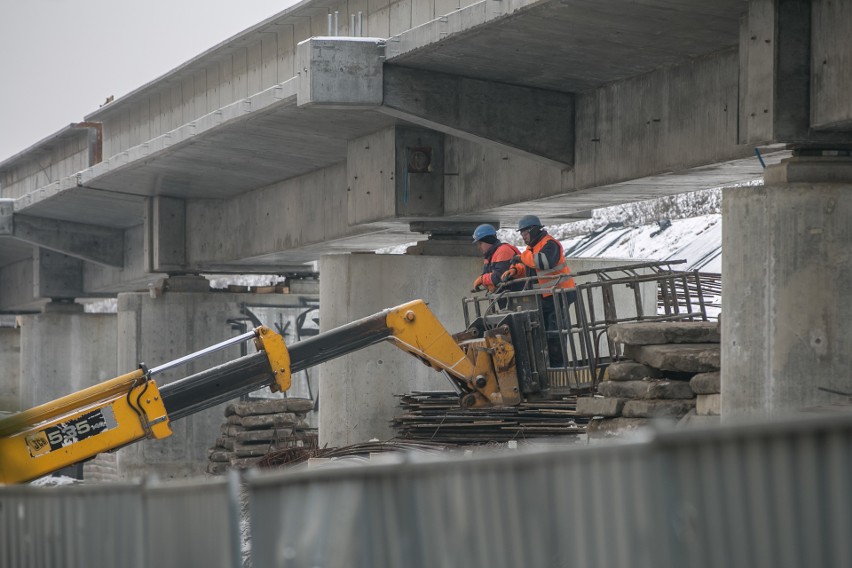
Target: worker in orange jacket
[(497, 257), (544, 260)]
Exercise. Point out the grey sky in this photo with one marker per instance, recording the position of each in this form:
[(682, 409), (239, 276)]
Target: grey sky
[(60, 59)]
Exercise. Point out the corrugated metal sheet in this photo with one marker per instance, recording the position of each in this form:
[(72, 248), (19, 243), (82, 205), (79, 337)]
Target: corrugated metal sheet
[(73, 527), (774, 495), (768, 495), (116, 525)]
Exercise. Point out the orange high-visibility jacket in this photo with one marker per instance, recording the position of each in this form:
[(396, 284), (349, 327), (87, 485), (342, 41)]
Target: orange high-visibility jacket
[(547, 265)]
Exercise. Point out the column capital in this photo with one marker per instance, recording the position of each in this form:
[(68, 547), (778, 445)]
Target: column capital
[(810, 169)]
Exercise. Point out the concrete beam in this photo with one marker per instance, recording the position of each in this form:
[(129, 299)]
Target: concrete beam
[(57, 276), (164, 247), (336, 72), (534, 122), (92, 243), (777, 67), (831, 105), (26, 285), (16, 288)]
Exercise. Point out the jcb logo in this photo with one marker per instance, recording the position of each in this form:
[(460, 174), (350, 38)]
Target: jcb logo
[(66, 433)]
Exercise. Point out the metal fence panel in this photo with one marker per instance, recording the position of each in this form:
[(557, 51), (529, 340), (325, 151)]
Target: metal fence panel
[(116, 525), (73, 527), (746, 496), (188, 523)]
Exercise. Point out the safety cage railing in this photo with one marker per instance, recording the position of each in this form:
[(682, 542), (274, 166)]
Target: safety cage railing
[(648, 291)]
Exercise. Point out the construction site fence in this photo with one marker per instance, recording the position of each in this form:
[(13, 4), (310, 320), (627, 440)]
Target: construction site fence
[(770, 494)]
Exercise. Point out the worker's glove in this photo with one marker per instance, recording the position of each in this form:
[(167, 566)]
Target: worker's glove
[(509, 274), (477, 285)]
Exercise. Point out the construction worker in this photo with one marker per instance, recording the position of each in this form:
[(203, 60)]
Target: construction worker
[(544, 259), (497, 257)]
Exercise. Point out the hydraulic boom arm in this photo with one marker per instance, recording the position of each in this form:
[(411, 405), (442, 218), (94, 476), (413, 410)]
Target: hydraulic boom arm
[(132, 407)]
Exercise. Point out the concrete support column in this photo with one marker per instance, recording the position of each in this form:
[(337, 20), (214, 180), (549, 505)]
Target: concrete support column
[(64, 350), (10, 369), (786, 294), (357, 390), (155, 329)]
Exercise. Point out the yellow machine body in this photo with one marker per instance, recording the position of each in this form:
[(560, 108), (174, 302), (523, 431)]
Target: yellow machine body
[(80, 426)]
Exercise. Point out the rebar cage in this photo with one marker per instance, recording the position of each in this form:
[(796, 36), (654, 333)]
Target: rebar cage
[(648, 291)]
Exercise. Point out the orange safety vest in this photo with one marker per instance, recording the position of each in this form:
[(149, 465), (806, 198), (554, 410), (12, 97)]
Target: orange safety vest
[(503, 253), (546, 276)]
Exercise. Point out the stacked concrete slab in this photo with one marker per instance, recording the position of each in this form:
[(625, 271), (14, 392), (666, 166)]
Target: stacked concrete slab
[(668, 371), (253, 429)]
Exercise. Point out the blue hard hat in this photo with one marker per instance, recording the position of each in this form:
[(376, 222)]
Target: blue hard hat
[(528, 221), (483, 231)]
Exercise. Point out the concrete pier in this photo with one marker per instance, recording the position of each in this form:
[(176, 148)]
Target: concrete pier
[(64, 350), (356, 390), (787, 268), (10, 369), (157, 328)]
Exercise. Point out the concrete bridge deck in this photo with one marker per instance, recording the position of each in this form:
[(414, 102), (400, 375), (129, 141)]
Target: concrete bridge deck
[(273, 148)]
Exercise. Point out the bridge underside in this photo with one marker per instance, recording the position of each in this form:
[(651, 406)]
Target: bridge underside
[(483, 114)]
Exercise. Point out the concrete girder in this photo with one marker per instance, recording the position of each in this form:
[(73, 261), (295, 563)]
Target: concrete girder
[(92, 243), (792, 54), (26, 285), (537, 123), (349, 73)]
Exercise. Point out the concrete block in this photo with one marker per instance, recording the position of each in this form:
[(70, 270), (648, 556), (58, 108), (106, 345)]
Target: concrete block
[(339, 72), (279, 420), (243, 463), (646, 389), (657, 408), (252, 436), (274, 406), (600, 406), (656, 333), (706, 383), (631, 371), (254, 451), (215, 468), (687, 357), (216, 455), (708, 404)]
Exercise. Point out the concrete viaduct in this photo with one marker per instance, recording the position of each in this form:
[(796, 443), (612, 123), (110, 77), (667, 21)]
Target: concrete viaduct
[(345, 126)]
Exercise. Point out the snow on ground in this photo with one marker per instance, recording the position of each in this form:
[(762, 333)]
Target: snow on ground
[(697, 240)]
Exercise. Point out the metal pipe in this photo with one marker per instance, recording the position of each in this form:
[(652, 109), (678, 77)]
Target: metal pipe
[(336, 25), (329, 23), (212, 349), (360, 24), (351, 24)]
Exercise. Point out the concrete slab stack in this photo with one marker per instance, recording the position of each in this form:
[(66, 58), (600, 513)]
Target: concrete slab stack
[(255, 428), (654, 379)]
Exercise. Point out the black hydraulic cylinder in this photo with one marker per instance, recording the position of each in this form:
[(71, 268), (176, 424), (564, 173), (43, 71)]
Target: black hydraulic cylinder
[(247, 374)]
